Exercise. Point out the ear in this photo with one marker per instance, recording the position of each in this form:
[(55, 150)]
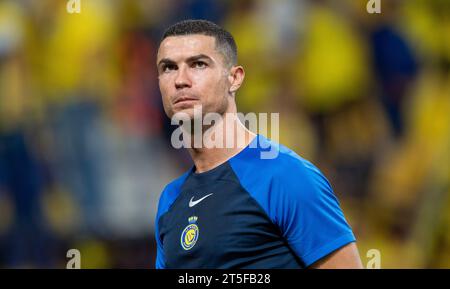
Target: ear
[(236, 77)]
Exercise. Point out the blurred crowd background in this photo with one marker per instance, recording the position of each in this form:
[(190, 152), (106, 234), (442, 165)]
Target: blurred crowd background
[(85, 145)]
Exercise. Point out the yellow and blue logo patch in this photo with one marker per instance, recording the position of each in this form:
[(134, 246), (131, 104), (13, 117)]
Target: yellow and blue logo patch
[(189, 236)]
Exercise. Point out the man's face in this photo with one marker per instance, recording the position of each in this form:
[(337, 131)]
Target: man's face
[(191, 73)]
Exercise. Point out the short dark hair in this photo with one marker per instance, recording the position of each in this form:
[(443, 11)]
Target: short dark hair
[(224, 40)]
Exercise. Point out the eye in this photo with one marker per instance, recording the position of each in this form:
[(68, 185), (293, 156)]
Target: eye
[(199, 64), (168, 67)]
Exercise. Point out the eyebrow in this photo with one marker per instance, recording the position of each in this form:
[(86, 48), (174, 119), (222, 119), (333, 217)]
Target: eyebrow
[(190, 59)]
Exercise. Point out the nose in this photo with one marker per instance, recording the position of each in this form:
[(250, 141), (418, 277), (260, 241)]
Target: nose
[(182, 79)]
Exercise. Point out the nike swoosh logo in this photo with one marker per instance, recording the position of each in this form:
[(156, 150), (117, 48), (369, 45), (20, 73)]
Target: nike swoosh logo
[(193, 203)]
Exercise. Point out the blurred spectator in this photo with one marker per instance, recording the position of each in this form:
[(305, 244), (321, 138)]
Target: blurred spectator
[(395, 67)]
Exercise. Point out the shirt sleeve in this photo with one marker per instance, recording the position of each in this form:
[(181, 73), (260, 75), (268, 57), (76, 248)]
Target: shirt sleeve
[(160, 259), (309, 215), (159, 264)]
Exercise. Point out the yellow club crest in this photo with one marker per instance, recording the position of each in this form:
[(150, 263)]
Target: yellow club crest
[(189, 235)]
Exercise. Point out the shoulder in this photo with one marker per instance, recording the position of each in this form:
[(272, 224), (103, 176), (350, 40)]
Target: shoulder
[(287, 167), (296, 172), (285, 181), (170, 193)]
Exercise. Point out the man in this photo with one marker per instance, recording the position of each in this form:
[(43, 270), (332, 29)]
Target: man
[(235, 209)]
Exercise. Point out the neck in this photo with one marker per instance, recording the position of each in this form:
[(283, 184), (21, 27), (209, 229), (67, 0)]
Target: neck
[(230, 135)]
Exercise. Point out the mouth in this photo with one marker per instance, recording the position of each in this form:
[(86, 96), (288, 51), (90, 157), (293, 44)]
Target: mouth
[(185, 99)]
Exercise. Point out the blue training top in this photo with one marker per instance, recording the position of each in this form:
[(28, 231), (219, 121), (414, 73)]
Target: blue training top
[(250, 212)]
